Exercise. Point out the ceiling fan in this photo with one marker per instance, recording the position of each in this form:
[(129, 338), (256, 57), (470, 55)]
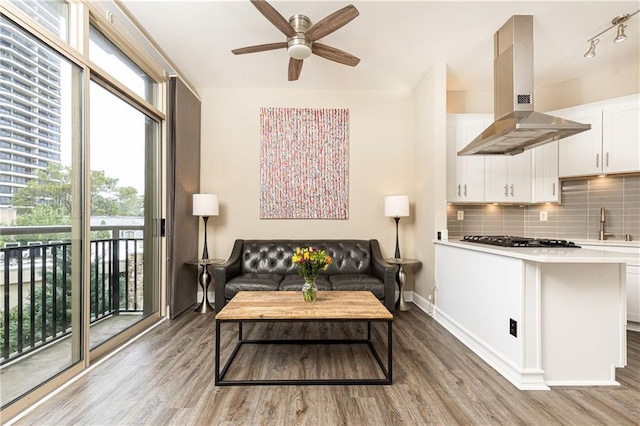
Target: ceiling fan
[(302, 37)]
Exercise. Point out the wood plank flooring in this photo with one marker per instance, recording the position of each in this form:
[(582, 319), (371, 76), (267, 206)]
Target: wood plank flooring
[(166, 378)]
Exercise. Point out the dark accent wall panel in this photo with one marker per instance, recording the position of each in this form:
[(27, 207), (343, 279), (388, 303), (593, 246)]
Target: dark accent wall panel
[(183, 180)]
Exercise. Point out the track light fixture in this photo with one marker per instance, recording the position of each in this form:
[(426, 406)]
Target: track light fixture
[(618, 21)]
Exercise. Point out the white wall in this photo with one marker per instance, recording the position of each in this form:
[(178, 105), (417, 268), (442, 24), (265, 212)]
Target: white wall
[(430, 162), (613, 83), (380, 163)]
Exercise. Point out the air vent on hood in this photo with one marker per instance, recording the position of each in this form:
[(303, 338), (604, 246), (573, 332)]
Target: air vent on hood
[(517, 126)]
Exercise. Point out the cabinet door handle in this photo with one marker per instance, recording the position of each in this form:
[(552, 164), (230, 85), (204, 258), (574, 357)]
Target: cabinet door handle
[(553, 189), (512, 190), (465, 189), (458, 190), (506, 189), (606, 160), (597, 160)]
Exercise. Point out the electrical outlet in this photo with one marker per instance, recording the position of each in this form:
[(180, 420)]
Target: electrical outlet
[(543, 216), (513, 327), (460, 214)]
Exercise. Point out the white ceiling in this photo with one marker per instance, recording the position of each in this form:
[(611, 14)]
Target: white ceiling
[(397, 41)]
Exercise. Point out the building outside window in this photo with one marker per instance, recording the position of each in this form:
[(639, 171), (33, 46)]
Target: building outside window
[(31, 102)]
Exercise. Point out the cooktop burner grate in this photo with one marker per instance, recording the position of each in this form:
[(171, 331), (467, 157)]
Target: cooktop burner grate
[(511, 241)]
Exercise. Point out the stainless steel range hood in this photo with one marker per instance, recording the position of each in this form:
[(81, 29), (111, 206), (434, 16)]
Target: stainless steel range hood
[(517, 126)]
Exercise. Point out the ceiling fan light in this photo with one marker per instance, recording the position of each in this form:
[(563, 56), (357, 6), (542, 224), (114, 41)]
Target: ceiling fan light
[(299, 51), (620, 36)]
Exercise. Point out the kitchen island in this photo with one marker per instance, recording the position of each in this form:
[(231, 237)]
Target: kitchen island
[(540, 316)]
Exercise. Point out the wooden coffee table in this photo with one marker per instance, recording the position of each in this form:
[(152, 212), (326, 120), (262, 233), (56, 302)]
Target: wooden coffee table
[(288, 306)]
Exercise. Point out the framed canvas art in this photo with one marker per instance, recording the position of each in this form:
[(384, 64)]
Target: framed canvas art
[(304, 160)]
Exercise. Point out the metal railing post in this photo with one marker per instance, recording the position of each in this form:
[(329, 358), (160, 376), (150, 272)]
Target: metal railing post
[(115, 276)]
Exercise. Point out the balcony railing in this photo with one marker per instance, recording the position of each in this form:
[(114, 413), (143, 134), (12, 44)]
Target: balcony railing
[(37, 302)]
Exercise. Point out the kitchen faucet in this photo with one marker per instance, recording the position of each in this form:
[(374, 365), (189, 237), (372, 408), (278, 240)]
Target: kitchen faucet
[(603, 235)]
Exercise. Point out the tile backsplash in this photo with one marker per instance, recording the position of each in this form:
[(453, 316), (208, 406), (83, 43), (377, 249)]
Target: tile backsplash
[(577, 217)]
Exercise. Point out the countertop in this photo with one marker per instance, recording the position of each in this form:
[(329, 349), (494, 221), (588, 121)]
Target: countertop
[(548, 255), (608, 243)]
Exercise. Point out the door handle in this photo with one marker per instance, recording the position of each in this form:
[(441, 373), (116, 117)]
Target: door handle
[(506, 190), (597, 161), (512, 190), (465, 189), (458, 190), (606, 160), (553, 189)]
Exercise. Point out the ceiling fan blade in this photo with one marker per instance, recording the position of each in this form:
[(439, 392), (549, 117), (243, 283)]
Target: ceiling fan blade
[(274, 17), (333, 54), (259, 48), (295, 66), (332, 22)]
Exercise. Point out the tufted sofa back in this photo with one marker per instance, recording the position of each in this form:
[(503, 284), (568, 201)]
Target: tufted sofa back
[(274, 256)]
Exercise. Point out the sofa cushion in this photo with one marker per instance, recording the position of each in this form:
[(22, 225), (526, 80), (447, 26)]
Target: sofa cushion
[(349, 257), (357, 282), (294, 283), (252, 282), (262, 257)]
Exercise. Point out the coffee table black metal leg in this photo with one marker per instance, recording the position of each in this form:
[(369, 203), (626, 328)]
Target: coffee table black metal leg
[(217, 376), (390, 350)]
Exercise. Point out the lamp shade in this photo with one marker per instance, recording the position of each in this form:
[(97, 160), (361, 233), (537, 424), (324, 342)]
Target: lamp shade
[(205, 205), (396, 206)]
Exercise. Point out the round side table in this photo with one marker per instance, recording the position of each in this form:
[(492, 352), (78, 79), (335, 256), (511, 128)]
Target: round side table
[(402, 278), (204, 279)]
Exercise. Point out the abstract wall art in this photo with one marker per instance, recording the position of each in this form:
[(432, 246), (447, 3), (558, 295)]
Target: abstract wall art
[(304, 161)]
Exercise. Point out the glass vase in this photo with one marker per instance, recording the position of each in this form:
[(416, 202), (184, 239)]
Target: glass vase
[(310, 290)]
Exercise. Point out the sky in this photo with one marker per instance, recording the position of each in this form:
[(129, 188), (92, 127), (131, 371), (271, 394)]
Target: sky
[(116, 129)]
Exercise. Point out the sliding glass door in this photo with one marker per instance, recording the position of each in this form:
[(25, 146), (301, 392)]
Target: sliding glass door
[(42, 207), (124, 214)]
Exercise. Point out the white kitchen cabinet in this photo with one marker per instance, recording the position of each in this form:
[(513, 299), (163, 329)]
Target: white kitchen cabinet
[(508, 178), (611, 146), (545, 184), (621, 135), (465, 174)]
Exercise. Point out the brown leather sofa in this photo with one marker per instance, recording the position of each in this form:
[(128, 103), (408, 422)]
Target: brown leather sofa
[(265, 265)]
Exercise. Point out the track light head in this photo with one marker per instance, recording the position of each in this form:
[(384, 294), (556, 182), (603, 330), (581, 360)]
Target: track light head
[(592, 49), (620, 36)]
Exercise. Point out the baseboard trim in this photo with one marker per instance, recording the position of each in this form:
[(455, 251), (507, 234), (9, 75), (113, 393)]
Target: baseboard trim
[(422, 303), (581, 383)]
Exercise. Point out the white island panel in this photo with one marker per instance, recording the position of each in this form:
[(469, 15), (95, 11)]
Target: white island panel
[(583, 323), (570, 315), (483, 299)]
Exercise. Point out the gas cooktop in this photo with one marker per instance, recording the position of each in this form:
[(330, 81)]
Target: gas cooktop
[(510, 241)]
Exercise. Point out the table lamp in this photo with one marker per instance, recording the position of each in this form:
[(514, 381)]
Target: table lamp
[(205, 205), (396, 206)]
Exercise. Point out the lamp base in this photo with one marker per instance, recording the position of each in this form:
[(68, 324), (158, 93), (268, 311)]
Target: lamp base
[(397, 253), (205, 252)]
